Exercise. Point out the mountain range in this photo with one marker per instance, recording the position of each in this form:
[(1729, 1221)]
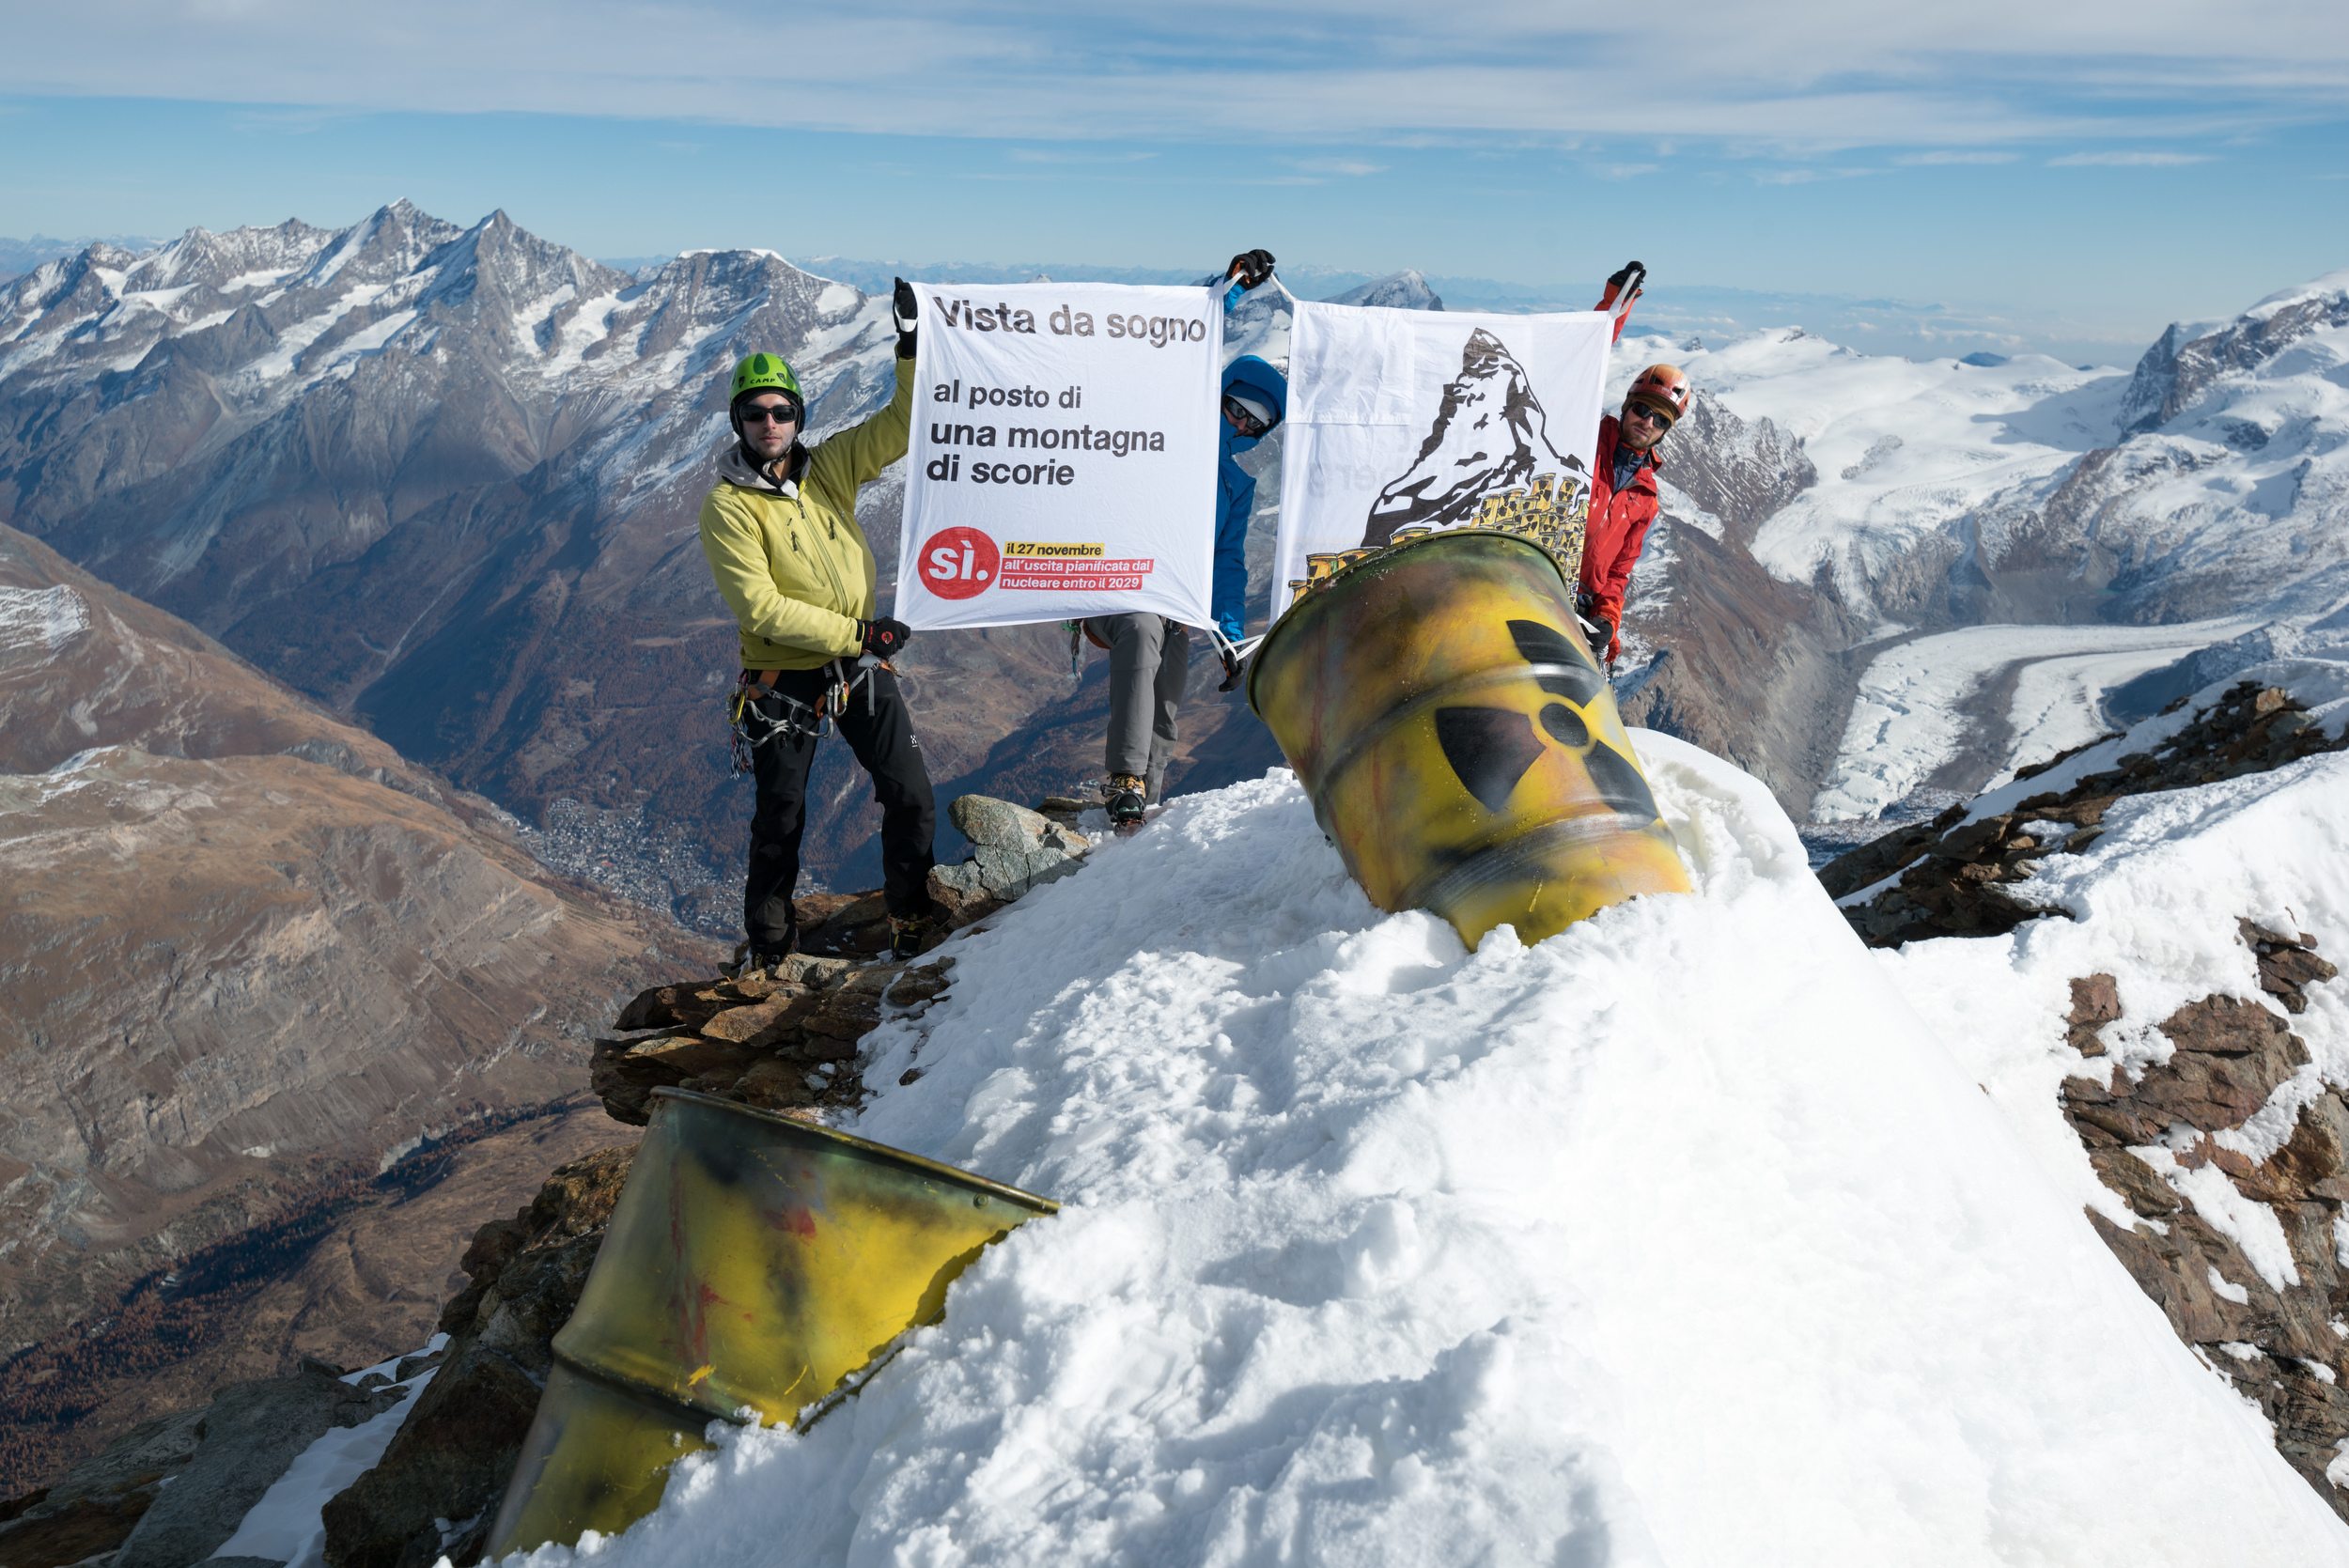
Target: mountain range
[(442, 479)]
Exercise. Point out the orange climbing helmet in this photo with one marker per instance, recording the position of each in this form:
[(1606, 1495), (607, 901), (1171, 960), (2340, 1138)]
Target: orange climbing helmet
[(1663, 388)]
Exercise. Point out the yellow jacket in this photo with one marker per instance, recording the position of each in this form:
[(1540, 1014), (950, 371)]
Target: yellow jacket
[(788, 558)]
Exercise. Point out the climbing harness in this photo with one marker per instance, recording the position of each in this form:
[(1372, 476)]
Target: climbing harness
[(752, 728)]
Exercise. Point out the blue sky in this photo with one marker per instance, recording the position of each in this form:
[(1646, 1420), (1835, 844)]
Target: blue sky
[(2067, 175)]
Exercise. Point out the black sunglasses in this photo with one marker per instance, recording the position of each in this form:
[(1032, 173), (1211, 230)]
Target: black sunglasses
[(770, 413), (1240, 415)]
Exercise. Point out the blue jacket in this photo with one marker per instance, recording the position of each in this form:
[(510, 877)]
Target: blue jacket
[(1236, 492)]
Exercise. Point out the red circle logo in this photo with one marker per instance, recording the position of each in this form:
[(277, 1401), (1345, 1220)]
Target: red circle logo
[(958, 563)]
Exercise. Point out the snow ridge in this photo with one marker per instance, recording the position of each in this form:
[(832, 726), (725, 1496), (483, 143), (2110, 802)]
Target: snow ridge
[(1379, 1252)]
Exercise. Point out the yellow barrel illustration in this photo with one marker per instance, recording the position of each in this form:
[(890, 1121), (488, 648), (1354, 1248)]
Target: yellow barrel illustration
[(1460, 744), (753, 1265)]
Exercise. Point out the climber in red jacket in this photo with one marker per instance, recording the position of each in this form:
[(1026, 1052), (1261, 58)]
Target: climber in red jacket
[(1624, 499)]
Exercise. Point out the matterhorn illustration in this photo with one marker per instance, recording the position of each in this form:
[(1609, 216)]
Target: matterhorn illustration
[(1491, 436)]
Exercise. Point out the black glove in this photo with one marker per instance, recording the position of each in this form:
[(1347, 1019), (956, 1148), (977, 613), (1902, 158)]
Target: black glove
[(1598, 631), (885, 638), (1231, 670), (1623, 287), (901, 309), (1249, 268)]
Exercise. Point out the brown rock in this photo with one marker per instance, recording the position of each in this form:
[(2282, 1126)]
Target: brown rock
[(761, 1022), (2103, 1119), (2287, 965), (2175, 1269), (922, 983), (2231, 1056), (2309, 1160), (771, 1084), (2139, 1186), (2095, 1002)]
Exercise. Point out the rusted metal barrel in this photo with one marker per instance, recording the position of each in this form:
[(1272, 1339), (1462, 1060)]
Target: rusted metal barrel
[(1460, 744), (753, 1266)]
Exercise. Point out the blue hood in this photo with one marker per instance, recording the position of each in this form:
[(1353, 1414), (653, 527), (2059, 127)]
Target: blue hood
[(1254, 376)]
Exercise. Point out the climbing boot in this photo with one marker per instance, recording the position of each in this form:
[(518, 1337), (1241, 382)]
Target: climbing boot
[(910, 936), (749, 959), (1122, 798)]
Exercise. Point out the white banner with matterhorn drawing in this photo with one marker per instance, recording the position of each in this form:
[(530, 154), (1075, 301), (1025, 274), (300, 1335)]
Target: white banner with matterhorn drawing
[(1064, 454), (1407, 422)]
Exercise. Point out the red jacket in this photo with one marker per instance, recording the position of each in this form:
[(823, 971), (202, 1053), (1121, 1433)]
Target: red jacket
[(1618, 527)]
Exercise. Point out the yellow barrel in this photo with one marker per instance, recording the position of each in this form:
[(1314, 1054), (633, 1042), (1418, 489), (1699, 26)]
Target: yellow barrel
[(753, 1266), (1460, 744)]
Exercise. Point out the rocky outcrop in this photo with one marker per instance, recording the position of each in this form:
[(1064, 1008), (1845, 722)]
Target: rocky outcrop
[(2271, 1322), (784, 1040), (2181, 365), (2217, 1132), (435, 1492), (1012, 849), (172, 1491), (781, 1040), (1956, 877)]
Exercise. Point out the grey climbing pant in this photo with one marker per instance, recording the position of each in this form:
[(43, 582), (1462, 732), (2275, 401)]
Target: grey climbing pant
[(1149, 660)]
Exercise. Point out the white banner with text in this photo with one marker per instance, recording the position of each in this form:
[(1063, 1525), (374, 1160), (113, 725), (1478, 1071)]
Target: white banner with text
[(1063, 461), (1403, 423)]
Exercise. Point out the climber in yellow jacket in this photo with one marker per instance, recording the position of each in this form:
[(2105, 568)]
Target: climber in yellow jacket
[(780, 536)]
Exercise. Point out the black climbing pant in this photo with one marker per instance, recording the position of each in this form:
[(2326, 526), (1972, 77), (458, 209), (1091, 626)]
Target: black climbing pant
[(879, 731)]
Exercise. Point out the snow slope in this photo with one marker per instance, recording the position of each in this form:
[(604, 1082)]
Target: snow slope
[(1677, 1238), (2154, 902)]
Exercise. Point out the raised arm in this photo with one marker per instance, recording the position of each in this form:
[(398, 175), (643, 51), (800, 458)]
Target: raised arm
[(857, 455)]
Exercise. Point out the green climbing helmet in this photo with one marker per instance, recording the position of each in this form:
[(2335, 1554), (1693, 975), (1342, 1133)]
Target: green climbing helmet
[(764, 373)]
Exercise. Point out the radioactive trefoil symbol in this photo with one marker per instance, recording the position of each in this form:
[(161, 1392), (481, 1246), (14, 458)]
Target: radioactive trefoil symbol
[(1492, 748)]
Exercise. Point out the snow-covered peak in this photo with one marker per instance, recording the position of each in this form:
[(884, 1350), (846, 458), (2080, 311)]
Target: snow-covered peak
[(1377, 1252), (2330, 285), (1404, 290), (2188, 363)]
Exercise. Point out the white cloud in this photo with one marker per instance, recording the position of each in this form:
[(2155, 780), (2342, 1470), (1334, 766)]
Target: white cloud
[(1937, 160), (1853, 73), (2127, 159), (1805, 177)]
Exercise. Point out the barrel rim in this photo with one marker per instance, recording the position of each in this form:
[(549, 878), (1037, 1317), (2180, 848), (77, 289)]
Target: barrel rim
[(1381, 558), (864, 1148)]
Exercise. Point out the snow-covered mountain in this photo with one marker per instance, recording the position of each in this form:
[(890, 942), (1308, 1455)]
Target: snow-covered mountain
[(442, 479), (2095, 526), (445, 480)]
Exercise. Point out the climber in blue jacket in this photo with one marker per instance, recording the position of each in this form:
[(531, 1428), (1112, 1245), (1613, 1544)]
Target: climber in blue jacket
[(1255, 398), (1150, 655)]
